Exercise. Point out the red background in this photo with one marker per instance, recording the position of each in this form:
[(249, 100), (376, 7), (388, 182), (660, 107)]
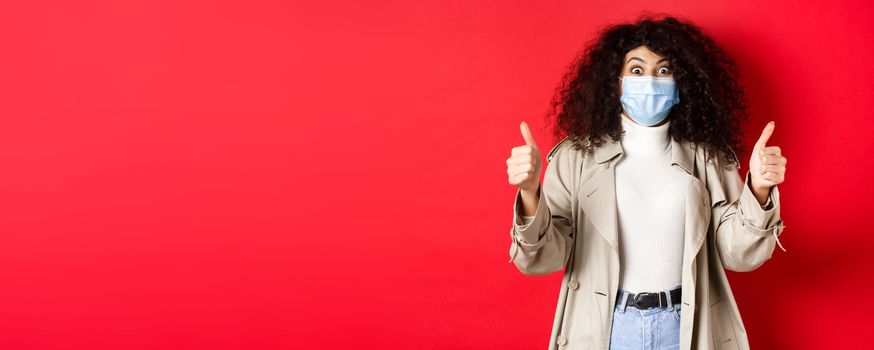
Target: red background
[(256, 174)]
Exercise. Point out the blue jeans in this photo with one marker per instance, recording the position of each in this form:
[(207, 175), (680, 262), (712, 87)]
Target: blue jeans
[(656, 328)]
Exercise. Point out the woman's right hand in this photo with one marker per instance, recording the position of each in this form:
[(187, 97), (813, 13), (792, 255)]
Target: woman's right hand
[(523, 165)]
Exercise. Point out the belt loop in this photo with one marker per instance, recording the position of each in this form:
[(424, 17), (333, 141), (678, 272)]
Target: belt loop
[(670, 302), (624, 300)]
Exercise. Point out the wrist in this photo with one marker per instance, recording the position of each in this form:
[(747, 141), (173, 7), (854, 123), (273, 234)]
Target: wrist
[(530, 192), (761, 194)]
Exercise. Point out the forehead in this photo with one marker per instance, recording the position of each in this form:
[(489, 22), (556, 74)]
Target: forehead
[(644, 53)]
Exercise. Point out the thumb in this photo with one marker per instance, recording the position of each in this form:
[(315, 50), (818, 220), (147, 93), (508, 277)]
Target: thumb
[(766, 134), (527, 135)]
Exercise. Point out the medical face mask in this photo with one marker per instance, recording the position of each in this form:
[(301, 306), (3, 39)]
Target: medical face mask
[(648, 99)]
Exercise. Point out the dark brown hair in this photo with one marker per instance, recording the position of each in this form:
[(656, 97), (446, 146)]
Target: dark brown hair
[(712, 106)]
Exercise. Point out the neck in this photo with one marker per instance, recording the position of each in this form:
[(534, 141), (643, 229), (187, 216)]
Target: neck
[(645, 140)]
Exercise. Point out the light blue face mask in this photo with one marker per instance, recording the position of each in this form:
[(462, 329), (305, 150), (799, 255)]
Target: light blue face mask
[(648, 99)]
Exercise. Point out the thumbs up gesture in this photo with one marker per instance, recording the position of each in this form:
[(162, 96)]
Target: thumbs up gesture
[(523, 165), (767, 165)]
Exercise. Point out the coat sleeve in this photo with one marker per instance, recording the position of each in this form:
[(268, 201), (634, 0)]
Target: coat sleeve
[(746, 231), (543, 245)]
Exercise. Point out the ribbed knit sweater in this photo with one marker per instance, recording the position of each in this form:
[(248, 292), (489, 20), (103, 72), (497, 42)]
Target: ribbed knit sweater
[(651, 207)]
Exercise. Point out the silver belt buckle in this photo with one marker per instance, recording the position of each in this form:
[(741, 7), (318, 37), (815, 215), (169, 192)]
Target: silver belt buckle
[(637, 298)]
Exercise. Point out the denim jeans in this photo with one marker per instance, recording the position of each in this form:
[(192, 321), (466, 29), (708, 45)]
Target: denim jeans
[(656, 328)]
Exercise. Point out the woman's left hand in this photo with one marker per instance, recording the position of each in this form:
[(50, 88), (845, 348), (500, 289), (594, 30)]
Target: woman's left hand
[(767, 165)]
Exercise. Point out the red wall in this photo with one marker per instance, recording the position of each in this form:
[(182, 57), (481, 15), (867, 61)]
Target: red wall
[(258, 174)]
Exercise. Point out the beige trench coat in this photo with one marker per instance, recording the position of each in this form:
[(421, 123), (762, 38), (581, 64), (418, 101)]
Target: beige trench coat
[(575, 229)]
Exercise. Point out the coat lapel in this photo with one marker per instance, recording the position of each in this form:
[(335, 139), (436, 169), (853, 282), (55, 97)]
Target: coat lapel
[(598, 195)]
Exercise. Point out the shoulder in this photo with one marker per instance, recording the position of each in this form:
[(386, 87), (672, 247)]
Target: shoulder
[(569, 148), (562, 144), (724, 161)]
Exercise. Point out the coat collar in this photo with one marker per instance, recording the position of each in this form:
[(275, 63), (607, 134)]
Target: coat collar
[(682, 152)]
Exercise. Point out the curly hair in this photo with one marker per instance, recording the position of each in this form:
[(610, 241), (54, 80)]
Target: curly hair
[(712, 105)]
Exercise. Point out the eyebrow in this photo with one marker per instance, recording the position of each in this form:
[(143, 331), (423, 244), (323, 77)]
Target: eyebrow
[(640, 59)]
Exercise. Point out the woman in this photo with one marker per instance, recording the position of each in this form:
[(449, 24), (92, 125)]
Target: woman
[(642, 202)]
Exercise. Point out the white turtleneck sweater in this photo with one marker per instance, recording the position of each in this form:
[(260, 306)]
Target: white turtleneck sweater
[(651, 207), (650, 198)]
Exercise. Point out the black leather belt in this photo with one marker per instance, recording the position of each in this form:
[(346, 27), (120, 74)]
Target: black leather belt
[(648, 300)]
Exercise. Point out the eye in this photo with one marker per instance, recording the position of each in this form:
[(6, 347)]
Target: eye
[(636, 70), (664, 70)]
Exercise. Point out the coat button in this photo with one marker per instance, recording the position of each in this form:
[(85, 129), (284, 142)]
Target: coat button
[(574, 284), (561, 340)]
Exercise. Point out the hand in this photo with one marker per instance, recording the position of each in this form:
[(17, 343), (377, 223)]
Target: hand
[(523, 165), (767, 166)]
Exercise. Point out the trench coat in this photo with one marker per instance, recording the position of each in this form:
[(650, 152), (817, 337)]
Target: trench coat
[(575, 229)]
